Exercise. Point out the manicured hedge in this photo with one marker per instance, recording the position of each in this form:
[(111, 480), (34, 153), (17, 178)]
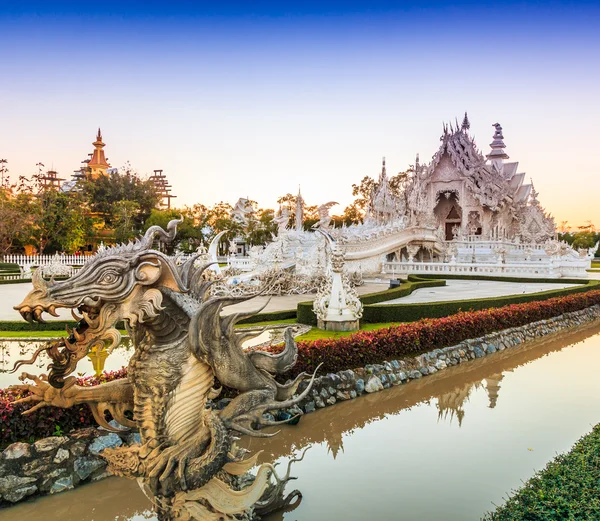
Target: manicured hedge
[(397, 341), (266, 317), (567, 488), (51, 325), (357, 350), (9, 266), (417, 311)]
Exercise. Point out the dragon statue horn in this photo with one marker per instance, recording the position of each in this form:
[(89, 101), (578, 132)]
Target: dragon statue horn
[(163, 236)]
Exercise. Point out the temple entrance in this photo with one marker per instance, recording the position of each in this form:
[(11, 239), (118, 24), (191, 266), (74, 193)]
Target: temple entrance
[(448, 213)]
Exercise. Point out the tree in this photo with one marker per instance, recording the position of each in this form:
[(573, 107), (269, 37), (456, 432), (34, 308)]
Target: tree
[(104, 191), (189, 236)]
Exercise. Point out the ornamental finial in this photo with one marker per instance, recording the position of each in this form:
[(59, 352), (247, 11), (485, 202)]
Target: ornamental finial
[(466, 124)]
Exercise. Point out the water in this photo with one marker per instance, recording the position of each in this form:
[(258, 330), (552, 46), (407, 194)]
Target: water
[(13, 350), (442, 448)]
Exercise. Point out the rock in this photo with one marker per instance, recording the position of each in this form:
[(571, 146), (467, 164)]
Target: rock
[(78, 448), (384, 379), (478, 352), (359, 386), (62, 484), (319, 402), (431, 369), (353, 394), (415, 375), (331, 391), (61, 455), (104, 442), (48, 444), (324, 394), (36, 467), (387, 367), (424, 371), (331, 400), (491, 348), (16, 451), (17, 494), (309, 407), (402, 376), (440, 364), (393, 379), (84, 467), (342, 395), (370, 369), (373, 385), (222, 403), (268, 417), (11, 483), (133, 438), (395, 364)]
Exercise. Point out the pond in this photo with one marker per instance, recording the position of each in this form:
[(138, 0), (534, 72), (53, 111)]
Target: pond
[(13, 350), (442, 448)]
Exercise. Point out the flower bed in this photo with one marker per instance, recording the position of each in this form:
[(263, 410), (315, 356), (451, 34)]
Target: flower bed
[(357, 350)]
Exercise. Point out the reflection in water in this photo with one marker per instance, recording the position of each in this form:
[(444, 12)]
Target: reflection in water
[(95, 363), (441, 448)]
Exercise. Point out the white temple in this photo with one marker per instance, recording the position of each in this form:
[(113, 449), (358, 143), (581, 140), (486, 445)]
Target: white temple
[(464, 213)]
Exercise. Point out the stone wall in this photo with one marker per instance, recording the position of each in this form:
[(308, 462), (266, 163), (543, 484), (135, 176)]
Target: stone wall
[(349, 384), (56, 464)]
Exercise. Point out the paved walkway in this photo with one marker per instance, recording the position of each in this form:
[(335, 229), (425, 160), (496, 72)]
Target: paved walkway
[(475, 289), (13, 294)]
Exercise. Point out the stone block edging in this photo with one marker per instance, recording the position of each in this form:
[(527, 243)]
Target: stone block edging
[(349, 384)]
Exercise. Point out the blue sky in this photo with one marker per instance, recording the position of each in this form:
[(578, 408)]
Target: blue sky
[(252, 99)]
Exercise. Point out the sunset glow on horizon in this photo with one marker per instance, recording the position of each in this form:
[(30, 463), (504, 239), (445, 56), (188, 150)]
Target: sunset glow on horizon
[(233, 101)]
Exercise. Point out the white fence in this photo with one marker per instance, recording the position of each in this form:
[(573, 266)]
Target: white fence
[(40, 260), (550, 269)]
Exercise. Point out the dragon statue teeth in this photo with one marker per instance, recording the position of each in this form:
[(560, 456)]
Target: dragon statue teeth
[(187, 461)]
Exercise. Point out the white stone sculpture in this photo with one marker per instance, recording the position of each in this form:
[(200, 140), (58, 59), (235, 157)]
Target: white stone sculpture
[(324, 217), (337, 305)]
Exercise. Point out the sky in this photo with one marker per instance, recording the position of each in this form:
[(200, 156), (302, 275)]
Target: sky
[(254, 99)]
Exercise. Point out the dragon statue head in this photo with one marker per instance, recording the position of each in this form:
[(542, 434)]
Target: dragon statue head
[(119, 284)]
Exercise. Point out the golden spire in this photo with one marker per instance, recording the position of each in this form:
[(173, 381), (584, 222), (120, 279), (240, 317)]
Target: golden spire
[(98, 163)]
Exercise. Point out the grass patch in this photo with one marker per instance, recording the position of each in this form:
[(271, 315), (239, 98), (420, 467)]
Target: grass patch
[(567, 488), (316, 334)]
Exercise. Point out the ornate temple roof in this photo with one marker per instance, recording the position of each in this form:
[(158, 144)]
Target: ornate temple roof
[(493, 183), (384, 205)]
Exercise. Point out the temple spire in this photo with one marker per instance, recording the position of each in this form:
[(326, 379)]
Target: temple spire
[(98, 164), (466, 124), (497, 145), (299, 211)]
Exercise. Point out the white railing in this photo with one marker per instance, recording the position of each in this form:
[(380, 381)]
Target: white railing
[(528, 270), (240, 263), (39, 260)]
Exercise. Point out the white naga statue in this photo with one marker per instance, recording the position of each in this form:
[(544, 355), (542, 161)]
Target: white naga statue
[(324, 217), (282, 219), (241, 210), (337, 305)]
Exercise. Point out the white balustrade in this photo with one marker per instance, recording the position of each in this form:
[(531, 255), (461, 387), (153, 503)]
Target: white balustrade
[(549, 269)]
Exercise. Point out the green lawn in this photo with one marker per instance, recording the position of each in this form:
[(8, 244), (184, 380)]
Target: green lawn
[(567, 489), (316, 334)]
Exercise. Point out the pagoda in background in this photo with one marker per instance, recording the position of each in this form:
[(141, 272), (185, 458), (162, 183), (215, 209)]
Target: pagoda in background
[(163, 189)]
